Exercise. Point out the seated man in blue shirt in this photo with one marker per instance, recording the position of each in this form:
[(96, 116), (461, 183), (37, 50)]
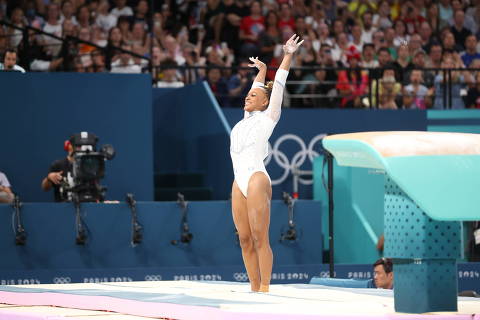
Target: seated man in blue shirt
[(383, 273)]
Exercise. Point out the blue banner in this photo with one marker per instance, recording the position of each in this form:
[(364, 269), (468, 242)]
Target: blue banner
[(468, 274)]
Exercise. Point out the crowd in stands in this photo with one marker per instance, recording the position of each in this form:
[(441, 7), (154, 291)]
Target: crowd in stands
[(389, 54)]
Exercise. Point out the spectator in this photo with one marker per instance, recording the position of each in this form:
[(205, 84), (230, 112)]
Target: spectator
[(140, 37), (141, 13), (458, 29), (83, 17), (98, 37), (368, 28), (285, 17), (114, 41), (457, 83), (169, 77), (388, 90), (121, 9), (379, 40), (123, 23), (41, 60), (411, 17), (172, 49), (301, 28), (269, 38), (368, 60), (383, 273), (417, 91), (435, 57), (419, 62), (67, 13), (338, 28), (327, 78), (193, 59), (433, 18), (250, 28), (212, 18), (218, 85), (139, 59), (53, 26), (324, 34), (472, 100), (445, 12), (389, 43), (6, 194), (470, 50), (98, 61), (449, 43), (234, 12), (125, 64), (352, 84), (356, 40), (239, 84), (401, 36), (84, 35), (340, 48), (104, 19), (300, 9), (403, 62), (469, 22), (427, 36), (415, 44), (387, 100), (382, 19), (18, 19), (472, 18), (360, 7), (384, 60), (10, 62)]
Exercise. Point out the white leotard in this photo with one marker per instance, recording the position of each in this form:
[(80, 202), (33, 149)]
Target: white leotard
[(249, 137)]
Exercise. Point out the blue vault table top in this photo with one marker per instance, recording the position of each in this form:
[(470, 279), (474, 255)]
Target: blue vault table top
[(440, 171)]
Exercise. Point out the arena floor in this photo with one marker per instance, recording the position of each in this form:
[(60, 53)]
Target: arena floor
[(206, 300)]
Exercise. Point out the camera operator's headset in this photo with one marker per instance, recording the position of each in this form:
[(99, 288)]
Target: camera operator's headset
[(66, 145)]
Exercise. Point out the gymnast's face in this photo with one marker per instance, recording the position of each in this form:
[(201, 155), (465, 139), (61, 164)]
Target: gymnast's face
[(256, 100)]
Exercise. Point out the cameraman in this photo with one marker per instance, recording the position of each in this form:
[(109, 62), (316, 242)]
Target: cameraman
[(59, 171)]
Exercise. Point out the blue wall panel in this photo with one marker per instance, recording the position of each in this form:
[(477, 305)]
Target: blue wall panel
[(39, 111), (51, 244), (189, 137)]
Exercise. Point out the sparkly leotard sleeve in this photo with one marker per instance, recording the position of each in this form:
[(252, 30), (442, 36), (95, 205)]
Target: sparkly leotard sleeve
[(249, 137)]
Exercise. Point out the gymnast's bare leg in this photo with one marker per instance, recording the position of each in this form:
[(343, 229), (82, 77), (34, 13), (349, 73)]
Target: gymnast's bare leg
[(258, 206), (242, 223)]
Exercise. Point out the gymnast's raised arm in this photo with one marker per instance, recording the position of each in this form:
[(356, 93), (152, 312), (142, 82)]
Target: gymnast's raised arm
[(259, 81), (275, 106)]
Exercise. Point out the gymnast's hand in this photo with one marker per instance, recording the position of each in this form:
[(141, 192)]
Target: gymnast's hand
[(257, 63), (292, 44)]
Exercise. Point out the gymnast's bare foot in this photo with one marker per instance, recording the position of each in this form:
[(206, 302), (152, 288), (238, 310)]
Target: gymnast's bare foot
[(264, 288)]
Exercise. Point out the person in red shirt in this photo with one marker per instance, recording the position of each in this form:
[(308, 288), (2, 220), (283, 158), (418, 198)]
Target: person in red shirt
[(353, 83), (286, 17), (250, 28)]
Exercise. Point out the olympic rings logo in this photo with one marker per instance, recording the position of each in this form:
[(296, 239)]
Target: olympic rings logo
[(240, 276), (153, 277), (60, 280), (298, 158)]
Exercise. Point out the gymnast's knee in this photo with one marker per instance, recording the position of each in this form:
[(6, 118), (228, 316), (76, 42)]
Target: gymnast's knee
[(246, 242), (260, 240)]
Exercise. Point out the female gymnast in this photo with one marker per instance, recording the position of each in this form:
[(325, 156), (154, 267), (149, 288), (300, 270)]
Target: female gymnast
[(251, 190)]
